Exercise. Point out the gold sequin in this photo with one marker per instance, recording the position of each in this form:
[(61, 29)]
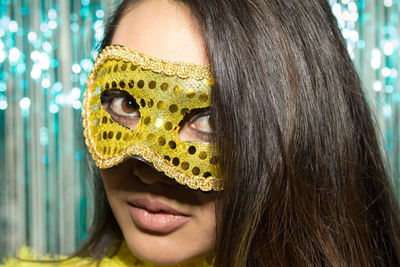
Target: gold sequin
[(160, 105), (168, 126), (140, 84), (164, 86), (161, 141), (202, 155), (190, 93), (173, 108), (152, 84), (177, 90)]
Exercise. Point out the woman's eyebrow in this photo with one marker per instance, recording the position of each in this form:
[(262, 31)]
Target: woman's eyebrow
[(194, 112), (118, 45)]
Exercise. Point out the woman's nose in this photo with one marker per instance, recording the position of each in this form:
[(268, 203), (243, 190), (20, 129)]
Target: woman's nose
[(149, 175)]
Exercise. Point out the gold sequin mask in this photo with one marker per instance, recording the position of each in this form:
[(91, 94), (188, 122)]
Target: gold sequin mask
[(165, 92)]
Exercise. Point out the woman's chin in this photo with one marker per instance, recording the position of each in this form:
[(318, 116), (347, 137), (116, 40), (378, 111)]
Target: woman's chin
[(160, 254), (162, 260)]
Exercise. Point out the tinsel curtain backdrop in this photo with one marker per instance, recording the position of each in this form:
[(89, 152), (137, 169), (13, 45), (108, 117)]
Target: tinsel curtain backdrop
[(46, 52)]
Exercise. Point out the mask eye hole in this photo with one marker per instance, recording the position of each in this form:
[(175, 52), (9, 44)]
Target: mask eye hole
[(122, 107), (196, 126)]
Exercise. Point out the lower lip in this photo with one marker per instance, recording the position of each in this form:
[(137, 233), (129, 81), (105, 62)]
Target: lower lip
[(161, 222)]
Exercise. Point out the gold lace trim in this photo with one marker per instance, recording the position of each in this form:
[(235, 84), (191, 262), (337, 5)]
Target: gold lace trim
[(193, 182), (146, 62)]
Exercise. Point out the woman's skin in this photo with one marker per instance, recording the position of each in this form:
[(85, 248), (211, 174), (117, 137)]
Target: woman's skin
[(163, 29)]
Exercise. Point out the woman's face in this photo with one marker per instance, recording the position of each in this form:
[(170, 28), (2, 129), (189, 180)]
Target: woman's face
[(162, 221)]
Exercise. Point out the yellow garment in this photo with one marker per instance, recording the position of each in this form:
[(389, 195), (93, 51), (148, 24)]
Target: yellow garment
[(124, 258)]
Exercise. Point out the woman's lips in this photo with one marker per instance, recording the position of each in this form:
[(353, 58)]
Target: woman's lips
[(156, 216)]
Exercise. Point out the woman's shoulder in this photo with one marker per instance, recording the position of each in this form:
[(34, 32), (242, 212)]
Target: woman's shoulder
[(27, 257)]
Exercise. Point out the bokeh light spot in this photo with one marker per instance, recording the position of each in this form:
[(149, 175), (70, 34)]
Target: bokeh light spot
[(13, 26), (52, 13), (46, 83), (393, 73), (377, 85), (389, 89), (387, 111), (44, 61), (57, 87), (77, 104), (99, 14), (2, 56), (388, 3), (44, 27), (75, 93), (86, 64), (25, 103), (52, 24), (376, 58), (3, 104), (3, 87), (14, 54), (76, 68), (36, 71), (388, 48), (32, 36), (47, 46), (352, 6), (54, 108), (385, 71)]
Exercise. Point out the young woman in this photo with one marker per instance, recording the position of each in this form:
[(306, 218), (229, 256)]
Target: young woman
[(267, 157)]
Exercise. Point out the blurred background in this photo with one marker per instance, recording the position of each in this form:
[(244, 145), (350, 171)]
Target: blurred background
[(47, 49)]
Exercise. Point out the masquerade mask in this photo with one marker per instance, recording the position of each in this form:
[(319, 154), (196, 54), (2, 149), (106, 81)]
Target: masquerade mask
[(135, 105)]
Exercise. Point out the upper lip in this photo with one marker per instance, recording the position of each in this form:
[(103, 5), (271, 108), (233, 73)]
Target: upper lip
[(155, 206)]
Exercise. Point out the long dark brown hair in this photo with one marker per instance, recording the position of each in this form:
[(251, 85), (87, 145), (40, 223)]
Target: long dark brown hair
[(305, 183)]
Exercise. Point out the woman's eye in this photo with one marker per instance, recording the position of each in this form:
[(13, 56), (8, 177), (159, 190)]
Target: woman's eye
[(202, 124), (123, 106)]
